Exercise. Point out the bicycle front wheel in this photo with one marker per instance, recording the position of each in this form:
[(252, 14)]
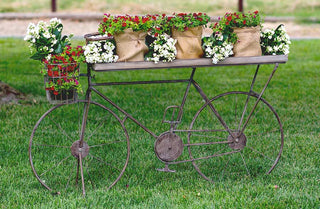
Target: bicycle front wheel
[(54, 148), (250, 146)]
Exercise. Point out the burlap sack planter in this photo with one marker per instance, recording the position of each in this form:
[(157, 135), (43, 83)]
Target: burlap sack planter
[(188, 43), (130, 45), (248, 43)]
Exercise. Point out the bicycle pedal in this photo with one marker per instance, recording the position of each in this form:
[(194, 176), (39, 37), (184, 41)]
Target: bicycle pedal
[(166, 169)]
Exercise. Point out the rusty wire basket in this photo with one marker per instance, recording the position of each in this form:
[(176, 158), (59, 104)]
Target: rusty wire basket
[(62, 82)]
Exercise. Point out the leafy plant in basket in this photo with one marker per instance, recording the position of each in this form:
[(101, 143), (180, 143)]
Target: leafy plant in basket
[(60, 59), (184, 21), (112, 25), (217, 47), (162, 49), (243, 30), (230, 21), (62, 70), (46, 39), (161, 45), (275, 42), (187, 30), (129, 33)]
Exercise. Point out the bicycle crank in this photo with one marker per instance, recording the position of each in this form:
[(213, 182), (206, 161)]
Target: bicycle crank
[(168, 147)]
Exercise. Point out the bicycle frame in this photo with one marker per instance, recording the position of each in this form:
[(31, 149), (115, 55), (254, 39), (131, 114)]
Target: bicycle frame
[(235, 134), (190, 81)]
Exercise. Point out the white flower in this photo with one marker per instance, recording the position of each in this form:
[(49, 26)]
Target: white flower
[(97, 52), (275, 42), (215, 49), (163, 49)]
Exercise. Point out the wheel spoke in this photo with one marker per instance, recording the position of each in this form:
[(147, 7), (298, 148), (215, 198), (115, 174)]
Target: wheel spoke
[(51, 145), (103, 162), (265, 133), (88, 174), (101, 145), (225, 167), (260, 153), (244, 163), (62, 130), (101, 123), (69, 179), (55, 165)]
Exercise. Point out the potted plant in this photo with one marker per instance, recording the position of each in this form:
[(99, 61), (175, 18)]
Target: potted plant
[(217, 46), (275, 42), (60, 59), (46, 39), (243, 30), (100, 52), (187, 30), (129, 33), (161, 45), (62, 75)]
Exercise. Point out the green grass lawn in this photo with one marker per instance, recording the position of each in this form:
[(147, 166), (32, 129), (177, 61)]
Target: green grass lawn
[(293, 92)]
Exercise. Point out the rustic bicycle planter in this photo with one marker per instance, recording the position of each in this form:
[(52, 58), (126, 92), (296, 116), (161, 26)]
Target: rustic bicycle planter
[(91, 141)]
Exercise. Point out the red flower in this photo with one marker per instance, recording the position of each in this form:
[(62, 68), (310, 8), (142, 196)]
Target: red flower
[(55, 92), (136, 19), (256, 12), (145, 19), (229, 18), (124, 24), (244, 22)]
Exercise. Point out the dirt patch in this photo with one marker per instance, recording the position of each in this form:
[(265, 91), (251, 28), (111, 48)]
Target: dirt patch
[(9, 94)]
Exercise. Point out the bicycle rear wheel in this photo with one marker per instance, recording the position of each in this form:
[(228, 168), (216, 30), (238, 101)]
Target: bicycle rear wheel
[(54, 148), (235, 154)]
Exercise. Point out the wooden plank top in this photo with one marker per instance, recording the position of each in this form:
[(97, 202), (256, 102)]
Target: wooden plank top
[(190, 63)]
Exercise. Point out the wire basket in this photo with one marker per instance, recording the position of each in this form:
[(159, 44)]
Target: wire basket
[(62, 82)]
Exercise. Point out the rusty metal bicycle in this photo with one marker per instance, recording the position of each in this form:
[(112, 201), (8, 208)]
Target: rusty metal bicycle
[(86, 143)]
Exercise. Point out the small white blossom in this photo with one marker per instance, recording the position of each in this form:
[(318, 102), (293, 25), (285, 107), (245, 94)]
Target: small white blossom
[(37, 33), (275, 42), (98, 52), (163, 49), (216, 48)]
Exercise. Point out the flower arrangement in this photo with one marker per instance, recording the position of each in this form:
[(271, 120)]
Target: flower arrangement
[(46, 39), (230, 21), (162, 49), (62, 70), (100, 51), (217, 47), (111, 25), (160, 25), (275, 42), (183, 21), (60, 59)]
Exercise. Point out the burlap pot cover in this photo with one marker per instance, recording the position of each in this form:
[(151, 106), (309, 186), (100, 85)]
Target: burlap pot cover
[(248, 43), (130, 45), (188, 43)]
